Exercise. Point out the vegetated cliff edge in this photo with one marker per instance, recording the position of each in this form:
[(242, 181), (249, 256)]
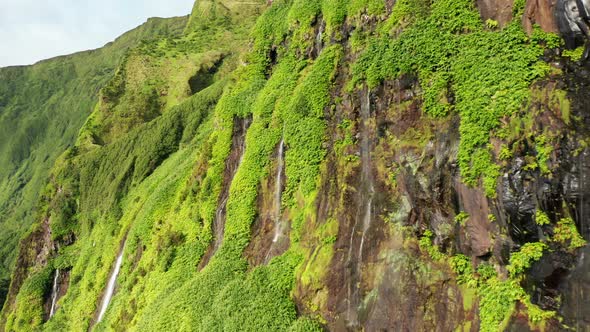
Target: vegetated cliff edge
[(340, 165), (42, 108)]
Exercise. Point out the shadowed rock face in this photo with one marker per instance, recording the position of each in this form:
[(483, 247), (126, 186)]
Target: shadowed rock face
[(573, 19), (397, 288), (395, 292), (576, 189), (231, 167)]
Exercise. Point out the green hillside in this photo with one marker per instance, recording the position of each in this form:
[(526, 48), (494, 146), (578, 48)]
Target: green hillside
[(295, 165), (42, 108)]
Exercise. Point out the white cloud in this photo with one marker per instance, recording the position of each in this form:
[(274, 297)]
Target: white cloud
[(33, 30)]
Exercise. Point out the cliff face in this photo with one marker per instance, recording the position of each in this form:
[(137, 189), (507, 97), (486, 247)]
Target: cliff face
[(332, 165)]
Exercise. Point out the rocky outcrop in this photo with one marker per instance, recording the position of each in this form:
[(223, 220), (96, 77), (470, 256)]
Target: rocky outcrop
[(497, 10), (34, 253), (542, 13)]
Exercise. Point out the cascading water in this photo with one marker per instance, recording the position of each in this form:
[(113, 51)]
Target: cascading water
[(54, 293), (576, 302), (108, 295), (278, 226), (237, 153), (319, 42), (219, 224), (363, 218)]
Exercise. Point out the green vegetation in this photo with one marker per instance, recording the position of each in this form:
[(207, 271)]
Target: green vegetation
[(461, 218), (522, 260), (541, 218), (544, 150), (42, 107), (566, 233), (498, 295), (489, 73), (575, 54), (156, 141), (30, 302), (136, 183), (426, 245)]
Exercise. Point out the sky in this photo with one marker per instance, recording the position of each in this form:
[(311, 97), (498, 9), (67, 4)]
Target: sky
[(33, 30)]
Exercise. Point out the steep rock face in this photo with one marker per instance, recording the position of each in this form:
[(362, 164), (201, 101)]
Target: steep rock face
[(541, 13), (425, 171)]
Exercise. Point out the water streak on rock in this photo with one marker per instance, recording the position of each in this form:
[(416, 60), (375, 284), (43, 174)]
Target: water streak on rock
[(110, 290), (54, 293), (363, 218)]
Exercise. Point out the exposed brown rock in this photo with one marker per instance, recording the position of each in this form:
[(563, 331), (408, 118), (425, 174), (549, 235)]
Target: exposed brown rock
[(478, 225), (231, 166), (33, 255), (262, 248), (540, 12), (497, 10)]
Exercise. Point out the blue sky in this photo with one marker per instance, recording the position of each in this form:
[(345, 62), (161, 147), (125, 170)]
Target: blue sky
[(33, 30)]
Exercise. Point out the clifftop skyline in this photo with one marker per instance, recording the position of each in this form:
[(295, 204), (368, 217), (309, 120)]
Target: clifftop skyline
[(32, 31)]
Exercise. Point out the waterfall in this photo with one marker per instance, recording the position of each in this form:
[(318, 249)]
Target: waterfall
[(581, 274), (54, 293), (363, 218), (278, 226), (278, 192), (576, 287), (584, 188), (319, 43), (219, 224), (366, 176), (238, 147), (108, 295)]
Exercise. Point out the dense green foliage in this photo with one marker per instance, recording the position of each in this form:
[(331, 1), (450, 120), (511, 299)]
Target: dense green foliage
[(498, 296), (149, 169), (566, 233), (42, 107), (486, 72)]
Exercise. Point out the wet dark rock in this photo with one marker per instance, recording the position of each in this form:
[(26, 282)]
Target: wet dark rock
[(518, 198), (575, 289)]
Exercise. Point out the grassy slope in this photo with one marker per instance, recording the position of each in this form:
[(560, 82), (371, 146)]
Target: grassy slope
[(42, 107)]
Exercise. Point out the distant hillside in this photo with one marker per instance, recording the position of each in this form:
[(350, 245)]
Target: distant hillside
[(42, 108)]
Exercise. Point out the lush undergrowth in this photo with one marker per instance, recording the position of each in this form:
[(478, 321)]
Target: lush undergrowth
[(42, 107), (481, 73), (101, 194), (146, 173)]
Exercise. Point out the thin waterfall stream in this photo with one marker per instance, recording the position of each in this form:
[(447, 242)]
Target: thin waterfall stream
[(278, 222), (108, 295), (221, 209), (54, 293), (576, 287), (219, 223), (364, 217), (278, 192), (319, 42), (236, 154)]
